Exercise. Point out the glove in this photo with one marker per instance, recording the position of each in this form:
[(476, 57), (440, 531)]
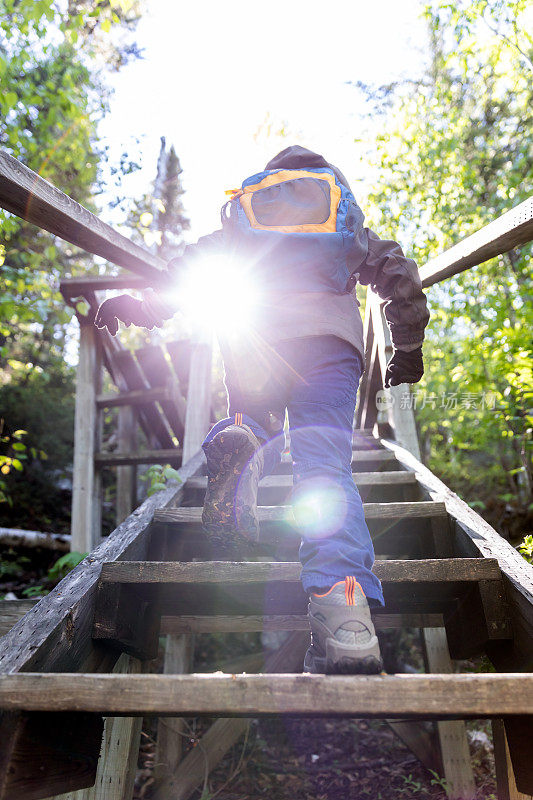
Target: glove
[(404, 367), (126, 309)]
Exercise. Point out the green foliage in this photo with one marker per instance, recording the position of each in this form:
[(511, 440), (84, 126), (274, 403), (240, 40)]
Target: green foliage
[(157, 476), (56, 573), (11, 459), (526, 548), (52, 57), (12, 564), (456, 152), (43, 404)]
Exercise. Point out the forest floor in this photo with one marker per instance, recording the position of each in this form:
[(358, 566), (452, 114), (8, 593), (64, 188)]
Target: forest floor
[(326, 759)]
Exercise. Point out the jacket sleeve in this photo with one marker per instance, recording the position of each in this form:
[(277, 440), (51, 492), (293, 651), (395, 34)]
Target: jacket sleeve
[(395, 279), (159, 302)]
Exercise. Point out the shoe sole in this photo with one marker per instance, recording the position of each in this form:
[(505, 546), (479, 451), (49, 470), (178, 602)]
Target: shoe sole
[(229, 516)]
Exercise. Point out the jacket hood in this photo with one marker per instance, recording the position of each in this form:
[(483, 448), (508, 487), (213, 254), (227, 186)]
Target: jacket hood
[(298, 157)]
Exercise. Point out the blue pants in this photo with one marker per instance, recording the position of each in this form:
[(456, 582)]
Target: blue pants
[(316, 380)]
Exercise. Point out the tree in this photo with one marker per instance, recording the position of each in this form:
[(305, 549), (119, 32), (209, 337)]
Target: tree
[(53, 61), (52, 100), (457, 151), (158, 219)]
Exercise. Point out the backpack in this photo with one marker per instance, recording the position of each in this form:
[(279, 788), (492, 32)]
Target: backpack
[(294, 228)]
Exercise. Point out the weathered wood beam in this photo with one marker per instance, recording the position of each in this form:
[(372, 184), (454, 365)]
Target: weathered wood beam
[(79, 286), (158, 373), (386, 511), (240, 623), (423, 696), (134, 398), (16, 537), (285, 481), (455, 570), (512, 229), (86, 512), (11, 611), (26, 194), (148, 457)]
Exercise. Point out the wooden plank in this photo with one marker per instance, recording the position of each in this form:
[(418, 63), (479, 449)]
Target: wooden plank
[(16, 537), (87, 284), (117, 764), (203, 758), (366, 411), (158, 373), (163, 456), (376, 456), (277, 489), (198, 398), (56, 635), (126, 490), (84, 533), (240, 623), (284, 514), (137, 397), (170, 730), (505, 778), (226, 572), (11, 611), (424, 696), (285, 481), (455, 754), (180, 354), (131, 372), (26, 194), (512, 229)]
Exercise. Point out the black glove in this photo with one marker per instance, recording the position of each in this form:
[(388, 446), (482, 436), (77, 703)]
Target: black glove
[(404, 367), (126, 309)]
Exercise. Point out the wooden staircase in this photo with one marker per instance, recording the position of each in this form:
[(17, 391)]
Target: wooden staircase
[(82, 652), (168, 580)]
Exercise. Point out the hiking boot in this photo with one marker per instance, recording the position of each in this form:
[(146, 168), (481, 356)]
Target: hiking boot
[(234, 465), (343, 639)]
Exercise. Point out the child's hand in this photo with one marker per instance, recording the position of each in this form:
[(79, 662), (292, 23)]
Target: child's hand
[(404, 367), (126, 309)]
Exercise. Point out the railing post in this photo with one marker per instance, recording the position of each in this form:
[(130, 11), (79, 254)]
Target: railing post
[(85, 524), (126, 476)]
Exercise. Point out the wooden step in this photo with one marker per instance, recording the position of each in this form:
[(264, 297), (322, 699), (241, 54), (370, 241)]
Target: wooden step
[(241, 623), (397, 529), (362, 461), (405, 696), (284, 514), (167, 456), (283, 481), (133, 596), (275, 489)]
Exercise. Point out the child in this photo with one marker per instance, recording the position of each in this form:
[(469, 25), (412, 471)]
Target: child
[(299, 232)]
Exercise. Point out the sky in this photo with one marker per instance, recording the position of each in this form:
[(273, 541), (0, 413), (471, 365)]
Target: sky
[(221, 81)]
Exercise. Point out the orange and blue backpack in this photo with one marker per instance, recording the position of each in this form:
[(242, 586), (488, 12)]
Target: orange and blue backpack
[(294, 228)]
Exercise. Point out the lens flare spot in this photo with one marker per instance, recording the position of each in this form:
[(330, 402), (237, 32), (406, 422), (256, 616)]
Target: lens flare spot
[(218, 293), (319, 508)]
